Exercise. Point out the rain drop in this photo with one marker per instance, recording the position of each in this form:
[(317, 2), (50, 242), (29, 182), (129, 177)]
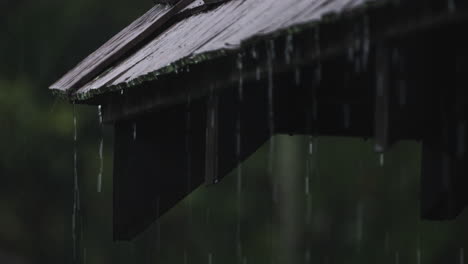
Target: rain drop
[(451, 5), (297, 76), (402, 93), (418, 256), (134, 131), (241, 78), (365, 43), (462, 255), (289, 49), (347, 116), (307, 185), (461, 139), (359, 223), (101, 150), (381, 159)]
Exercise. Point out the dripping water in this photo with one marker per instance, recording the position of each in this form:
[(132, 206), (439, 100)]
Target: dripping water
[(241, 77), (461, 139), (297, 76), (451, 6), (239, 161), (134, 131), (359, 223), (402, 93), (270, 58), (189, 165), (271, 124), (347, 116), (308, 256), (101, 150), (76, 193), (318, 70), (289, 49), (365, 43), (210, 258), (462, 255)]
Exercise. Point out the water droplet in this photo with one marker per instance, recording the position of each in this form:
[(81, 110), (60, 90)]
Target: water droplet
[(461, 138), (387, 242), (446, 171), (307, 185), (402, 93), (254, 53), (241, 78), (365, 43), (359, 223), (347, 116), (297, 76), (101, 150), (101, 165), (289, 49), (381, 159), (418, 256), (451, 6), (76, 197), (307, 256), (311, 147), (462, 255), (134, 131), (210, 258), (350, 53), (122, 92), (270, 88), (100, 114)]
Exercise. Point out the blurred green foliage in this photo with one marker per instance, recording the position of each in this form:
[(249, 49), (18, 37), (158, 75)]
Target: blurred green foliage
[(336, 205)]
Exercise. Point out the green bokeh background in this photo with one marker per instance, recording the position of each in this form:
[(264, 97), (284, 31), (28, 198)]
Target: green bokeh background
[(336, 205)]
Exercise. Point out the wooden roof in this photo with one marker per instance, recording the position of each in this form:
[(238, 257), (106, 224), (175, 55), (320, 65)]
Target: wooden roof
[(156, 42)]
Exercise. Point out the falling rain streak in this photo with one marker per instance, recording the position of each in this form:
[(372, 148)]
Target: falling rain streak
[(381, 159), (134, 131), (101, 150), (289, 49), (297, 76), (462, 255), (239, 161), (461, 139), (418, 256), (271, 56), (76, 192), (451, 6)]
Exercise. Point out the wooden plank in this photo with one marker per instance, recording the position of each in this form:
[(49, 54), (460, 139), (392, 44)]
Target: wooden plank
[(119, 45), (225, 27)]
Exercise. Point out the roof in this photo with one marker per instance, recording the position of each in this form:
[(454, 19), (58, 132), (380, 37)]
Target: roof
[(140, 52)]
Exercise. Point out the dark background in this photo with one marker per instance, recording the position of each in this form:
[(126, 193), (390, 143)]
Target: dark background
[(353, 210)]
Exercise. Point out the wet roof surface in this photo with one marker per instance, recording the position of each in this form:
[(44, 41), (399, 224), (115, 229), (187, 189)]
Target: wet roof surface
[(222, 28)]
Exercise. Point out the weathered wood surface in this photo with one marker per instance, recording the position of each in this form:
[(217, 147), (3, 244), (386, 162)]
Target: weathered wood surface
[(225, 27), (117, 46)]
